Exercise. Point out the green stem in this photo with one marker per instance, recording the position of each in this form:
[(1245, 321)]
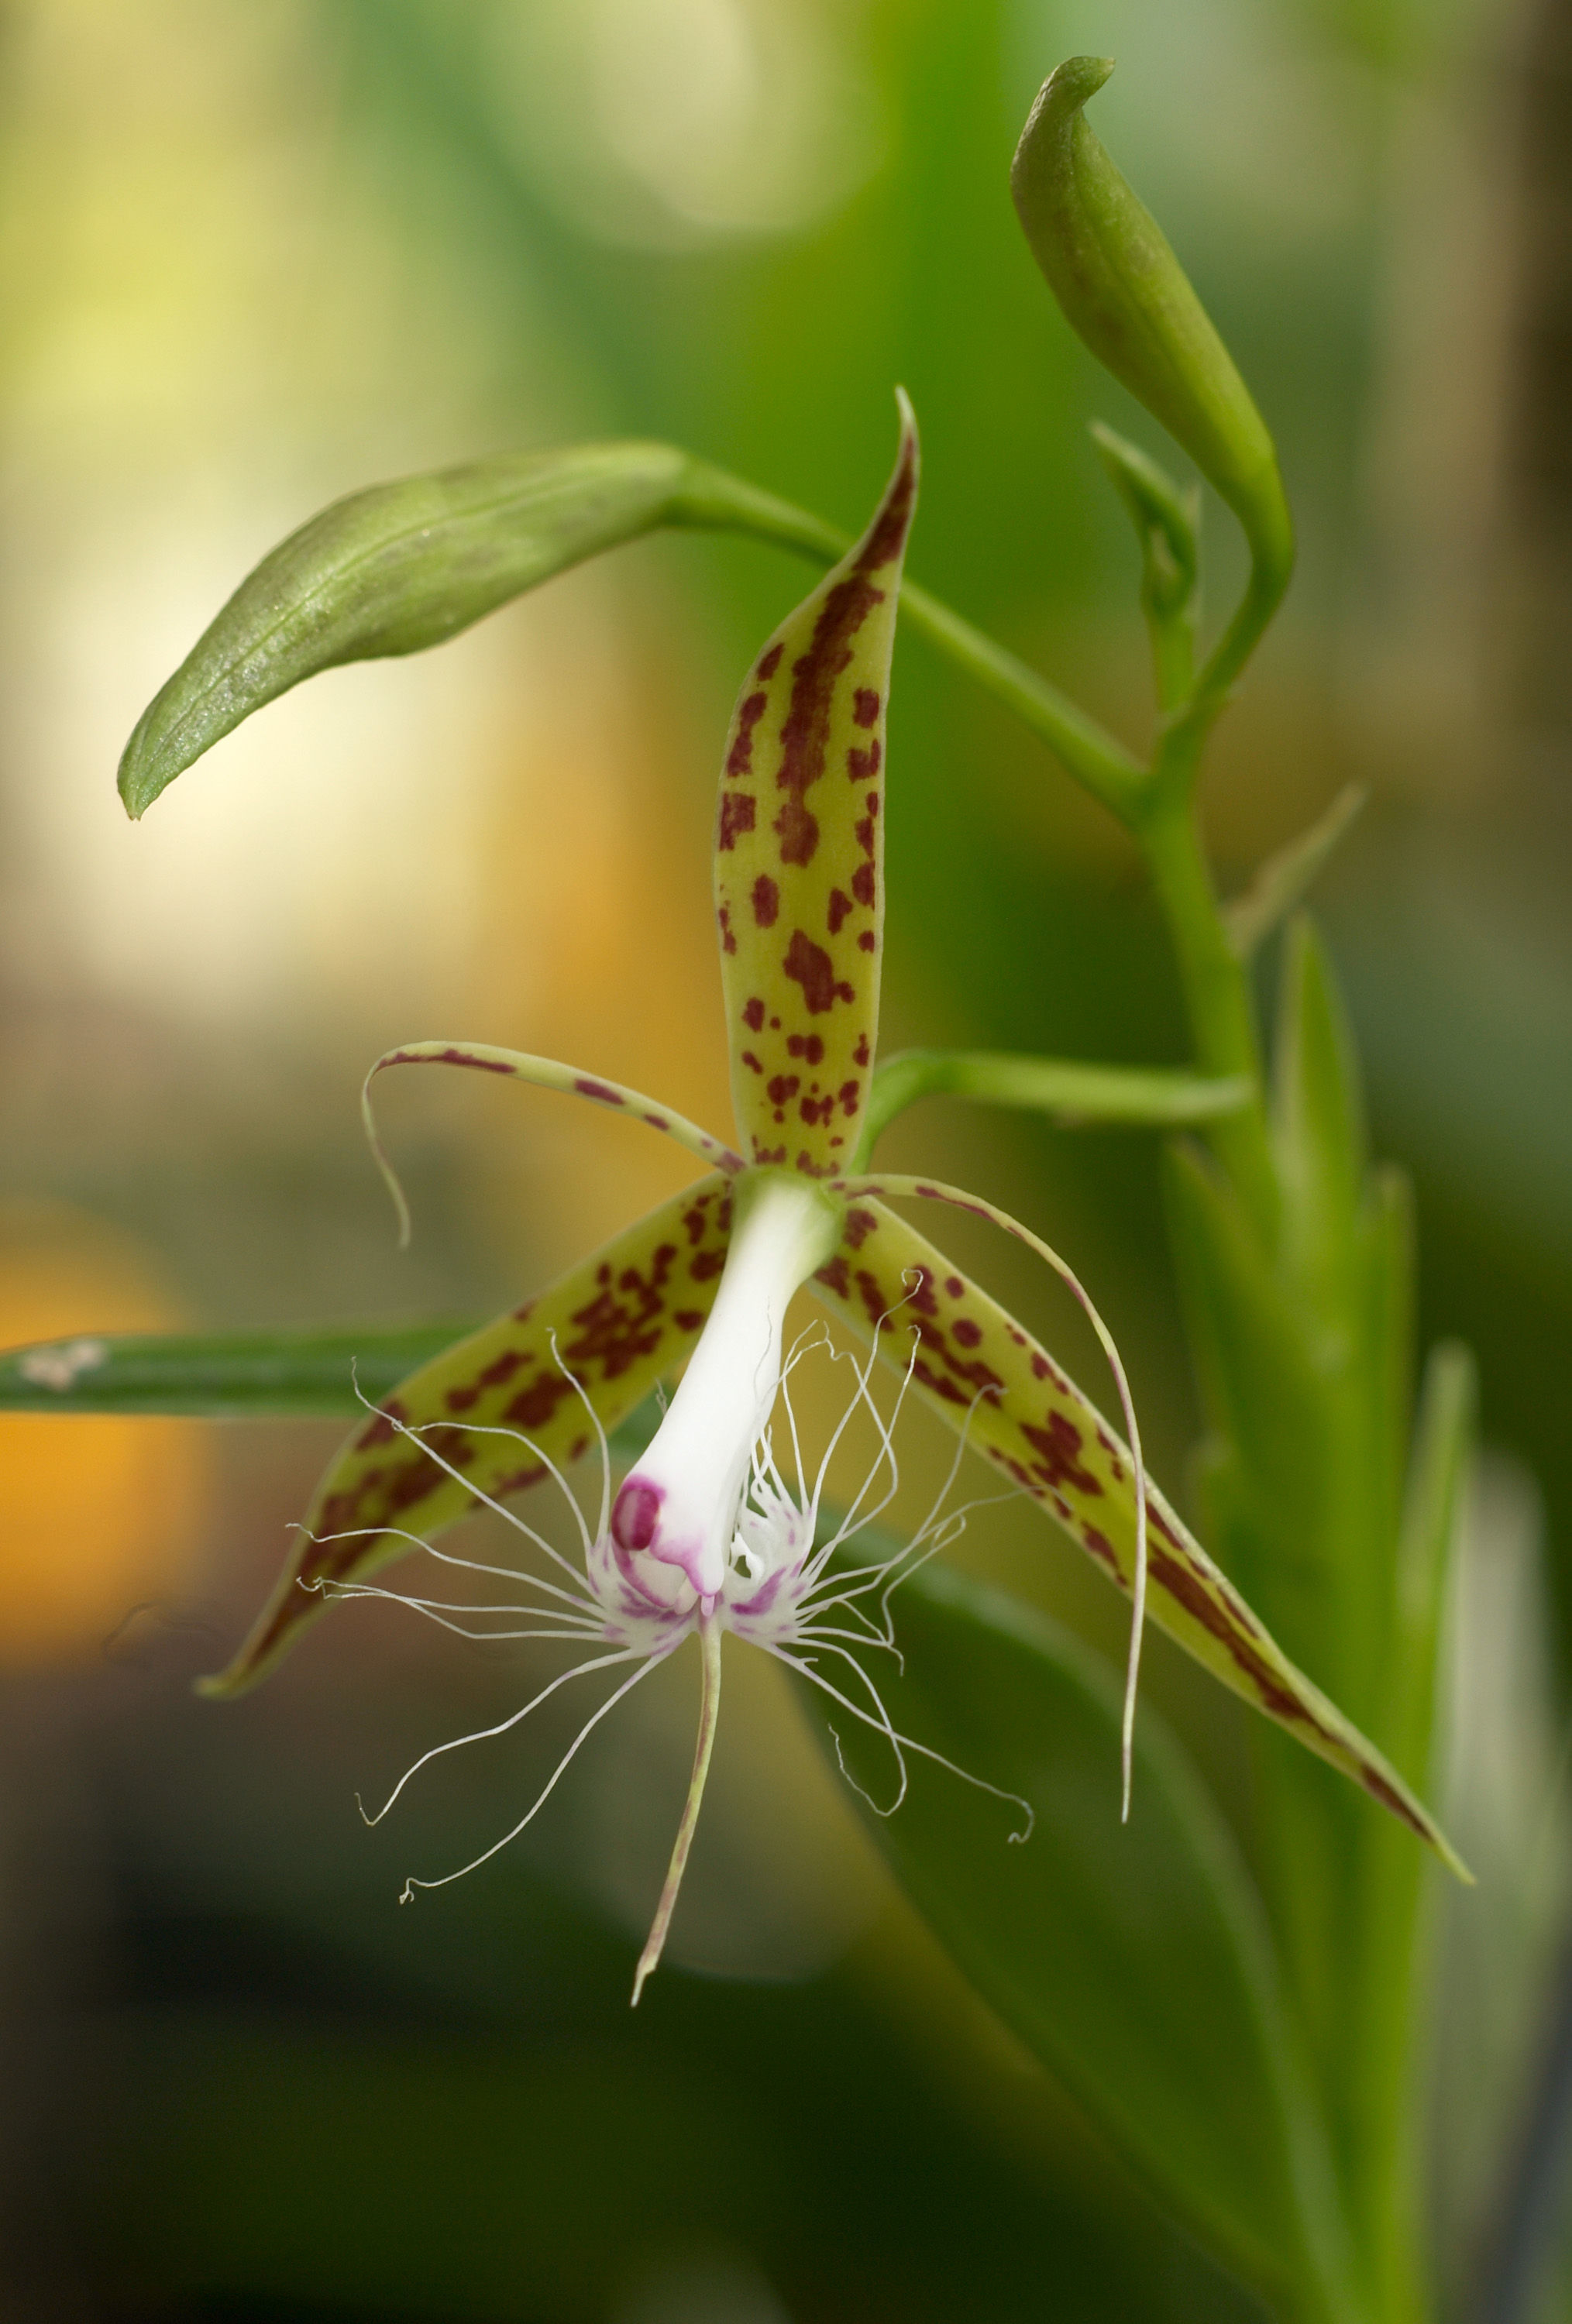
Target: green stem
[(1216, 996), (1074, 1094)]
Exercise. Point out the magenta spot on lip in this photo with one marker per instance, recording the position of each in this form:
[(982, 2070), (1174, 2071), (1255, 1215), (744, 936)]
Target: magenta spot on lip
[(763, 1598), (636, 1515), (602, 1091)]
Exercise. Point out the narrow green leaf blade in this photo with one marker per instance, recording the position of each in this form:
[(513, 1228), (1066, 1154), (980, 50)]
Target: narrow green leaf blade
[(221, 1375), (1133, 1960), (1285, 876), (1439, 1475), (1317, 1132)]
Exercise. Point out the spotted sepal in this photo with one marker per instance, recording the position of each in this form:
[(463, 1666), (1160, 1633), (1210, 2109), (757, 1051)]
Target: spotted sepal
[(545, 1073), (621, 1320), (798, 852), (986, 1375)]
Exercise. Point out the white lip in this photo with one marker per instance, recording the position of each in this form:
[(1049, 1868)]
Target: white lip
[(678, 1507)]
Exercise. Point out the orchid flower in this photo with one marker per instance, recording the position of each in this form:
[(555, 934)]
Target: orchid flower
[(703, 1536)]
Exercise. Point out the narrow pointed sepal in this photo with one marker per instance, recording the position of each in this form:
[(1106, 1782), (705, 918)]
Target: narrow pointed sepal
[(616, 1324), (798, 852), (543, 1073), (986, 1375)]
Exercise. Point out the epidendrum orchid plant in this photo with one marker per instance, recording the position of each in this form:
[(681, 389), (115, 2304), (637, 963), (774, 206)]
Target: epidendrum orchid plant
[(1249, 2037)]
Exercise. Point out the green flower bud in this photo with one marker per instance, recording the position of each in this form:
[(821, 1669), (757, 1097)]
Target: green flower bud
[(1125, 293)]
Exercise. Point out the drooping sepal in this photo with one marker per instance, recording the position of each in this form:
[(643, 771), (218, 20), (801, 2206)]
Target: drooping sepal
[(986, 1375), (798, 852), (543, 1073), (614, 1325)]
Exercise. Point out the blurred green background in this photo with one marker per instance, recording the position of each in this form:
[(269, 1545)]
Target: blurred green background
[(256, 256)]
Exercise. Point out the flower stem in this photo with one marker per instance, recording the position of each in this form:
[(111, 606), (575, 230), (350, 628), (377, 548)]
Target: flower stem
[(708, 1716), (1216, 998)]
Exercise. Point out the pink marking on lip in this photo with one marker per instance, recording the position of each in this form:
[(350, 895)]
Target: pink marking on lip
[(602, 1091), (636, 1515)]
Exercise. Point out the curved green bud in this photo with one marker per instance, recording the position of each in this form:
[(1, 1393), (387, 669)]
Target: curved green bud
[(1123, 290)]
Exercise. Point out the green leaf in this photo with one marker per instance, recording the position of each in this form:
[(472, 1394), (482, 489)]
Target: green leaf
[(221, 1375), (1133, 1960), (1317, 1132), (1439, 1474), (404, 565), (1284, 877)]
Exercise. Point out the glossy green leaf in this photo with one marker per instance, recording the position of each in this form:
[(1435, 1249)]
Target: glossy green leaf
[(221, 1375), (1132, 1960)]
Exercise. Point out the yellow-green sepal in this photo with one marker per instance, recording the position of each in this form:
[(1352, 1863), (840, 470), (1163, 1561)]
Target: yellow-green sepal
[(798, 852), (611, 1327), (988, 1378)]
